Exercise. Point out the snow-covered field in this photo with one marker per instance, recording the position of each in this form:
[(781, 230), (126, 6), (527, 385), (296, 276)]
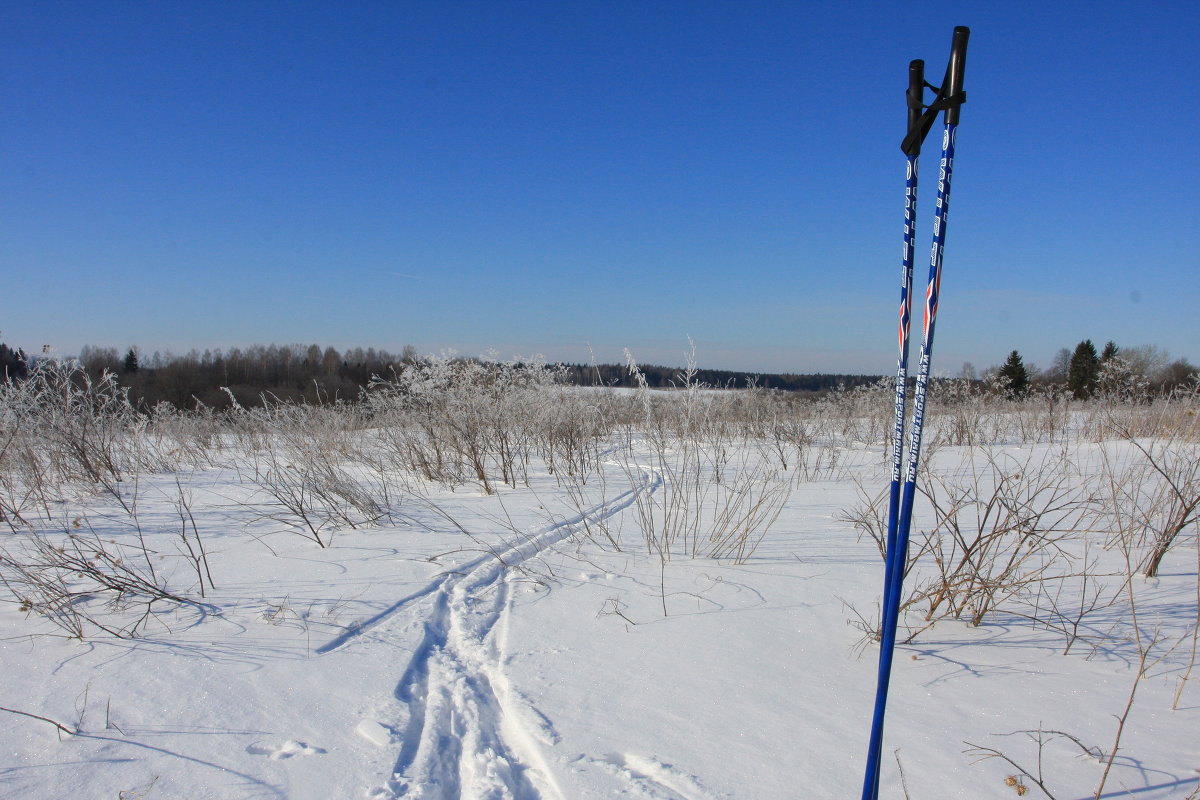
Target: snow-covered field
[(573, 635)]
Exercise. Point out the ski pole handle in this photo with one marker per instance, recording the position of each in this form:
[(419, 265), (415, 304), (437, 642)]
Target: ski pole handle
[(915, 95), (952, 87)]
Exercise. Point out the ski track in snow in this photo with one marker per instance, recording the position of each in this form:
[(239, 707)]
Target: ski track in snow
[(653, 779), (469, 734)]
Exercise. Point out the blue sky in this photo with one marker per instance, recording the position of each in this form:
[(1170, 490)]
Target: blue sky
[(571, 179)]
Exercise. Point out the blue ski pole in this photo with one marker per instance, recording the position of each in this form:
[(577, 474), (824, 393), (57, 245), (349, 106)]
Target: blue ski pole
[(949, 98), (915, 94), (916, 89)]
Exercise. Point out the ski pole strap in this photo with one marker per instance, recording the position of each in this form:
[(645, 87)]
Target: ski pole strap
[(950, 96), (916, 134)]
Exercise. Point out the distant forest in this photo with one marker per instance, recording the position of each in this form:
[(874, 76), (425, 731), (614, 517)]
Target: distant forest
[(313, 374), (666, 377)]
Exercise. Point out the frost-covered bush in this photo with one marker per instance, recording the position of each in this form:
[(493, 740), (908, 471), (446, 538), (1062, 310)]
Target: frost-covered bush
[(862, 415), (59, 426), (1152, 482), (82, 583), (316, 463), (1000, 525), (456, 421)]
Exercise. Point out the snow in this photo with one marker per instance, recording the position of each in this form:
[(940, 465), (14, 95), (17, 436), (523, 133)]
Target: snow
[(515, 653)]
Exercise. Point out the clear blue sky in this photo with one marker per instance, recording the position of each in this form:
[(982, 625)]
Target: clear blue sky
[(549, 177)]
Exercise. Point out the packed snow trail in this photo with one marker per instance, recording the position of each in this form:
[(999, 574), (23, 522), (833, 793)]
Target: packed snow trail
[(470, 735)]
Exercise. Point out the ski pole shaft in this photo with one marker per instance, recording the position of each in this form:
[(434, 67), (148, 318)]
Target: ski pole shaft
[(893, 569), (894, 566), (914, 97)]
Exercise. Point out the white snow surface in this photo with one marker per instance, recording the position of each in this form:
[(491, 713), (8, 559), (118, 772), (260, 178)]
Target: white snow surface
[(513, 655)]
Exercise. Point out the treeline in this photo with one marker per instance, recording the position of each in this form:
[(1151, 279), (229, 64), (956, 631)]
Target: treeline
[(1124, 373), (658, 377), (312, 374), (295, 372)]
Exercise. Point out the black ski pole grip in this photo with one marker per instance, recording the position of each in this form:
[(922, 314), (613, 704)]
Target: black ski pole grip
[(952, 87), (915, 95), (918, 119)]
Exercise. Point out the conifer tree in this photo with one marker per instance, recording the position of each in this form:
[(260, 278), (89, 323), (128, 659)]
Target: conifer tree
[(1014, 377), (1084, 375), (13, 363)]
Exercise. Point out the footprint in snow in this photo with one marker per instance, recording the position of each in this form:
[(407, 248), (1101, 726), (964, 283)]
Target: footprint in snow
[(288, 749)]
